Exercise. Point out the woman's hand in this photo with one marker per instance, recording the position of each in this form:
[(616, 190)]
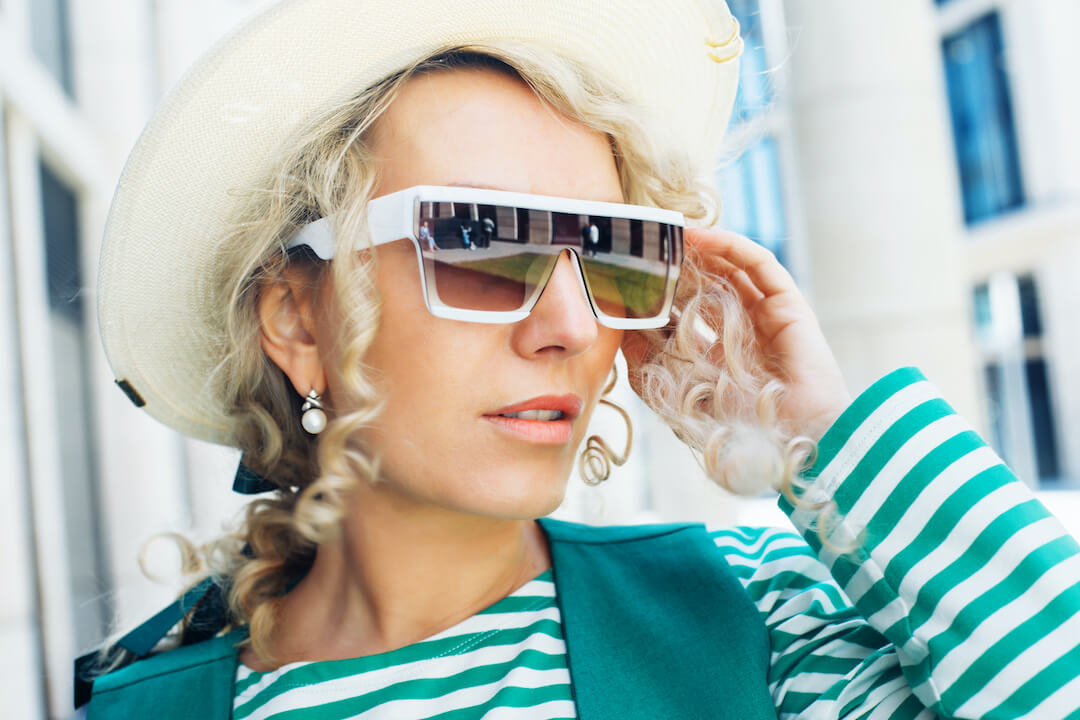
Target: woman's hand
[(787, 330)]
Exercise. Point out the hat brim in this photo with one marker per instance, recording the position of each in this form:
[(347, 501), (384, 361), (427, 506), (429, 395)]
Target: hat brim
[(217, 130)]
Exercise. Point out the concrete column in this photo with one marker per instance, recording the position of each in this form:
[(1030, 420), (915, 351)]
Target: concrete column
[(141, 464), (20, 632), (56, 619), (878, 188), (1059, 295), (36, 611), (1043, 58), (1059, 298)]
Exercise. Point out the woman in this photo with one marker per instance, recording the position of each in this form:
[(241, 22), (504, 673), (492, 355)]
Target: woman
[(415, 415)]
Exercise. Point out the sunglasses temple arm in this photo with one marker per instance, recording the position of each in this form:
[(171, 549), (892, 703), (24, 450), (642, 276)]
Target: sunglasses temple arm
[(319, 236), (392, 217), (389, 218)]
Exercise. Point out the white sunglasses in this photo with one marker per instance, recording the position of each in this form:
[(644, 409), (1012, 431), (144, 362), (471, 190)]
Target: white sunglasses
[(486, 255)]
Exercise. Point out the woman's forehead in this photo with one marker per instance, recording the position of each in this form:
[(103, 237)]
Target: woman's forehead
[(481, 128), (464, 95)]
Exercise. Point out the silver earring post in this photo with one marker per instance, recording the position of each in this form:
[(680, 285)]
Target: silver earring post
[(313, 417)]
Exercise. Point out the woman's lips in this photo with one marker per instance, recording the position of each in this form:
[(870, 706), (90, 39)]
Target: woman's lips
[(542, 431)]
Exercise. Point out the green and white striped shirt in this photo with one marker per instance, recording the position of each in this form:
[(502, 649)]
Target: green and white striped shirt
[(508, 661), (962, 599)]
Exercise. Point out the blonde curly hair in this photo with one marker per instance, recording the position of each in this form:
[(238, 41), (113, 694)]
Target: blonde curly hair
[(707, 378)]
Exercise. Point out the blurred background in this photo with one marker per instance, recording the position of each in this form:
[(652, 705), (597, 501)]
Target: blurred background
[(915, 164)]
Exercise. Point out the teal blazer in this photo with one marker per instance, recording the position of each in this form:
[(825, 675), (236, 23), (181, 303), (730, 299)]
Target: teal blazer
[(655, 621)]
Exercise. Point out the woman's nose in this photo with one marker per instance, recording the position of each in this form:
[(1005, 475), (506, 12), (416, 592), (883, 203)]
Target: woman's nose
[(562, 322)]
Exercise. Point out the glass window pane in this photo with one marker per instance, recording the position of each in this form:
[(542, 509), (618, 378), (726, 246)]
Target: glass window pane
[(736, 210), (65, 282), (982, 119), (1042, 421), (766, 180), (67, 331), (50, 39), (752, 196), (983, 317), (1028, 409), (754, 92), (1030, 319), (999, 437)]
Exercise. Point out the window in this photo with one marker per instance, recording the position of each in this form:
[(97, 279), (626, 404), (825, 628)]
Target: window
[(750, 186), (982, 119), (1010, 340), (50, 39), (67, 330), (754, 90)]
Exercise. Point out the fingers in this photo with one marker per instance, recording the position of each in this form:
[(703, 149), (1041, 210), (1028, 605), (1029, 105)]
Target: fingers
[(762, 284), (747, 291), (721, 252), (776, 313)]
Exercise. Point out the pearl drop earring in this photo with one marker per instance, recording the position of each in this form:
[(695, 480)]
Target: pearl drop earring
[(313, 418)]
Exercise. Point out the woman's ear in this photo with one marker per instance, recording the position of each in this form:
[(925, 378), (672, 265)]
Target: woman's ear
[(286, 310)]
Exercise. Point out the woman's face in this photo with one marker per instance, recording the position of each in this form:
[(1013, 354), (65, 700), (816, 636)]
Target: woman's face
[(442, 436)]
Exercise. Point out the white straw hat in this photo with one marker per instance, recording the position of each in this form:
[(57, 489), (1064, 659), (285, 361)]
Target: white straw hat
[(215, 132)]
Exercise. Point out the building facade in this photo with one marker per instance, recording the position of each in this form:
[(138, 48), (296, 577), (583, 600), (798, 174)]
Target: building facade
[(914, 164)]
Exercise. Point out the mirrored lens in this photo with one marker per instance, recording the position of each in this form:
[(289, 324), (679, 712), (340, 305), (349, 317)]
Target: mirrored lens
[(495, 258), (626, 265), (495, 283), (479, 256)]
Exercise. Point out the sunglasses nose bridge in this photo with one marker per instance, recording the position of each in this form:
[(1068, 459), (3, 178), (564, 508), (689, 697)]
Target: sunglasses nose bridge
[(579, 272), (579, 265)]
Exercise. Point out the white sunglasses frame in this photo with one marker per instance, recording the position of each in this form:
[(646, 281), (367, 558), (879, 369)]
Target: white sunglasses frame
[(396, 216)]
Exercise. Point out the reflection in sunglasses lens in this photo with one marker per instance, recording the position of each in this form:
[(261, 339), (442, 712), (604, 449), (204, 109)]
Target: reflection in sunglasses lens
[(494, 258), (485, 281), (629, 292)]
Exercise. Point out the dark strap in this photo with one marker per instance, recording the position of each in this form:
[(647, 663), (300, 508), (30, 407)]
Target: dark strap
[(248, 482), (142, 639), (210, 616), (657, 625)]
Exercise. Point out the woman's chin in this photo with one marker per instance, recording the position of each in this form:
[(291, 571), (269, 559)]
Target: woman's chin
[(516, 501), (519, 491)]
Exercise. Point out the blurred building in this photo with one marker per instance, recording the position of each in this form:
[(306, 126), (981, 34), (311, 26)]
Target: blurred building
[(914, 164), (87, 478)]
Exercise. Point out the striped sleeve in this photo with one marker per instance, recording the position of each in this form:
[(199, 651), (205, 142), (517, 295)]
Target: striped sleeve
[(827, 662), (943, 588)]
